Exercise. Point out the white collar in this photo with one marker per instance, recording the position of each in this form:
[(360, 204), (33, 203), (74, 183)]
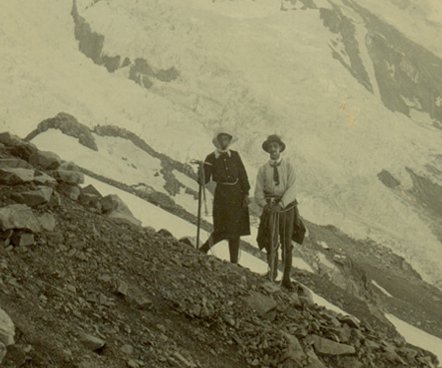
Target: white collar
[(275, 162), (218, 152)]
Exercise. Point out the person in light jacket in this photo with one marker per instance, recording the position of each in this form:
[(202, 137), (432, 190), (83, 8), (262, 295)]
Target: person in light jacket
[(275, 192)]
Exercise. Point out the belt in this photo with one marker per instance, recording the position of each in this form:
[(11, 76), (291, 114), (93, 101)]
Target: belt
[(227, 183)]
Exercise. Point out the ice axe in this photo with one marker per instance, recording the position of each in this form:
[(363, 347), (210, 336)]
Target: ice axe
[(201, 197)]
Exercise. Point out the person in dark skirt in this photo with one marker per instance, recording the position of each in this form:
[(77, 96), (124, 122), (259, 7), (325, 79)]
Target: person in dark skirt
[(231, 198)]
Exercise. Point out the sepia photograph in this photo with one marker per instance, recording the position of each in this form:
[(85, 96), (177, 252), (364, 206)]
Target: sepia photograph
[(220, 183)]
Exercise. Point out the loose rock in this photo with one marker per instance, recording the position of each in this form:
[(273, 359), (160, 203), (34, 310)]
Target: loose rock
[(71, 191), (329, 347), (14, 163), (7, 329), (2, 351), (18, 216), (44, 179), (46, 160), (68, 177), (92, 343), (115, 208), (294, 353), (260, 303), (22, 239), (10, 176), (37, 197), (47, 221)]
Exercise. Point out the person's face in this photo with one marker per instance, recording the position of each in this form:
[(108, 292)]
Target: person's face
[(274, 150), (224, 141)]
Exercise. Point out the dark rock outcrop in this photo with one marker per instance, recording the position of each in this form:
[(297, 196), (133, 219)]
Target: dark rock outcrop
[(70, 126)]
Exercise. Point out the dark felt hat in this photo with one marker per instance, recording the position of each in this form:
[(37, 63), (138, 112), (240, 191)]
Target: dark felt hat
[(271, 139)]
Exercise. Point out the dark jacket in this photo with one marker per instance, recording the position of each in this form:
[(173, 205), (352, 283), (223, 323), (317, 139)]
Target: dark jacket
[(230, 216)]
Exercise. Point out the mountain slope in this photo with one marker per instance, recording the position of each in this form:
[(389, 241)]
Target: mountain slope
[(329, 76), (95, 291)]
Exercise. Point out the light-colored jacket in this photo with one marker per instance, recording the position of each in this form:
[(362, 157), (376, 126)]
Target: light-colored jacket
[(265, 184)]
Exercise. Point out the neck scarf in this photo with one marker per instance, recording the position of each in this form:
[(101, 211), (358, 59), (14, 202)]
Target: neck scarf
[(275, 165)]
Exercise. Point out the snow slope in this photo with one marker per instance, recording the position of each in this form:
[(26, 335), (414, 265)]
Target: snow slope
[(243, 64), (417, 337)]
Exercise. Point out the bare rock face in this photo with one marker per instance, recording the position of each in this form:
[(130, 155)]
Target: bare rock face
[(45, 160)]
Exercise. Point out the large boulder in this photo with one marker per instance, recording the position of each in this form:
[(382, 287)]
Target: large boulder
[(68, 176), (18, 216), (7, 329), (114, 207), (32, 198), (45, 160), (15, 176)]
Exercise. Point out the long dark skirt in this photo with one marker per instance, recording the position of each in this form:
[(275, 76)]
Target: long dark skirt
[(230, 217)]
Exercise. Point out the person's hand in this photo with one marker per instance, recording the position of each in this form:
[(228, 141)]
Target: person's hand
[(277, 208), (246, 201)]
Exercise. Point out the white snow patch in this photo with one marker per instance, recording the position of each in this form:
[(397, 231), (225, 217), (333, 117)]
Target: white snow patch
[(381, 289), (417, 337)]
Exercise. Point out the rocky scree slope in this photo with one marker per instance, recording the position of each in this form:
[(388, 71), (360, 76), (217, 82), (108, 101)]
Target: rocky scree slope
[(85, 286), (342, 269)]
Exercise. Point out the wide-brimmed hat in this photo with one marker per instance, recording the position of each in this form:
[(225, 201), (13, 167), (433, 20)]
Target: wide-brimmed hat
[(271, 139), (215, 140)]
